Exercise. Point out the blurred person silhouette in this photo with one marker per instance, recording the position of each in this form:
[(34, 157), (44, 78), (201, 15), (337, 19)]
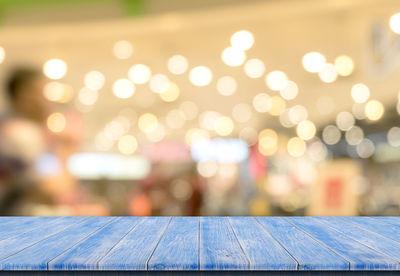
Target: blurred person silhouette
[(34, 179)]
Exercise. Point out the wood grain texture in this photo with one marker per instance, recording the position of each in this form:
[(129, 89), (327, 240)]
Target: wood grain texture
[(360, 256), (135, 249), (264, 252), (37, 256), (371, 239), (86, 254), (7, 221), (179, 246), (219, 247), (309, 254)]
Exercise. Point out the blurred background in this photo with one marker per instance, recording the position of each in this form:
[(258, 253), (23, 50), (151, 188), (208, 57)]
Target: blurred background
[(201, 107)]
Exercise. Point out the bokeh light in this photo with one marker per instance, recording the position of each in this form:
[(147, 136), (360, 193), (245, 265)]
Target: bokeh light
[(207, 169), (58, 92), (296, 147), (242, 40), (94, 80), (147, 122), (297, 114), (374, 110), (290, 91), (177, 64), (278, 105), (345, 120), (195, 135), (344, 65), (267, 142), (123, 88), (224, 126), (200, 76), (366, 148), (313, 62), (233, 56), (331, 135), (360, 93), (393, 136), (171, 94), (2, 54), (226, 85), (262, 102), (394, 23), (254, 68), (276, 80), (87, 96), (354, 135), (328, 73), (56, 122), (123, 49), (139, 73), (127, 144), (55, 69), (306, 130), (159, 83)]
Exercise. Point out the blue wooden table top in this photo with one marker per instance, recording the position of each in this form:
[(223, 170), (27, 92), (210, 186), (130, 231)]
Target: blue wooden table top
[(199, 243)]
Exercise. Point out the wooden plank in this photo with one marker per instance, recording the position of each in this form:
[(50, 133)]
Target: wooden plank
[(179, 246), (309, 254), (387, 230), (17, 243), (219, 247), (37, 256), (389, 220), (24, 226), (360, 256), (371, 239), (7, 221), (264, 252), (86, 254), (135, 249)]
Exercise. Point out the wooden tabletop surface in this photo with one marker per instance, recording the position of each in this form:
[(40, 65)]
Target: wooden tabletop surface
[(199, 243)]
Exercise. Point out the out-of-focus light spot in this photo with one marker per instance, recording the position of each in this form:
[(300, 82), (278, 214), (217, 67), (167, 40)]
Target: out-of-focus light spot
[(82, 107), (226, 85), (344, 65), (366, 148), (159, 83), (290, 91), (276, 80), (224, 126), (331, 135), (181, 189), (233, 57), (267, 142), (56, 92), (189, 109), (48, 164), (123, 49), (345, 120), (360, 93), (296, 147), (317, 151), (55, 69), (358, 111), (207, 169), (124, 121), (394, 23), (242, 113), (374, 110), (325, 105), (354, 135), (393, 136), (195, 135), (113, 130), (297, 114), (102, 142), (147, 122), (262, 102), (171, 94), (328, 73), (200, 76), (249, 135), (242, 40), (175, 119), (2, 54), (94, 80), (123, 88), (56, 122), (208, 118), (127, 144), (306, 130), (87, 96), (157, 135), (278, 105), (254, 68), (285, 120), (221, 150), (177, 64), (313, 62), (139, 73)]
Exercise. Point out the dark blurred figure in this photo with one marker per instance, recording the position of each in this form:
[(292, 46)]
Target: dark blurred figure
[(22, 141)]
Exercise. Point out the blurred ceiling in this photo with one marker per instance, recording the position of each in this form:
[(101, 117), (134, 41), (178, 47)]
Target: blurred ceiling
[(284, 31)]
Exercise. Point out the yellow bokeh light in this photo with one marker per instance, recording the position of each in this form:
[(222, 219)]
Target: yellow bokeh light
[(226, 85), (123, 88), (87, 96), (328, 73), (360, 92), (306, 130), (267, 142), (262, 102), (394, 23), (56, 122), (195, 135), (313, 62), (171, 94), (344, 65), (242, 40), (127, 144), (374, 110), (223, 126), (58, 92), (200, 76), (254, 68), (233, 56), (177, 64), (278, 105), (276, 80), (55, 69), (159, 83), (147, 122), (207, 169), (2, 54), (94, 80), (296, 147), (122, 49), (139, 73)]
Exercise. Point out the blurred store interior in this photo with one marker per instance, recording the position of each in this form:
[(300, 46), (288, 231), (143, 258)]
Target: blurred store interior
[(201, 107)]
